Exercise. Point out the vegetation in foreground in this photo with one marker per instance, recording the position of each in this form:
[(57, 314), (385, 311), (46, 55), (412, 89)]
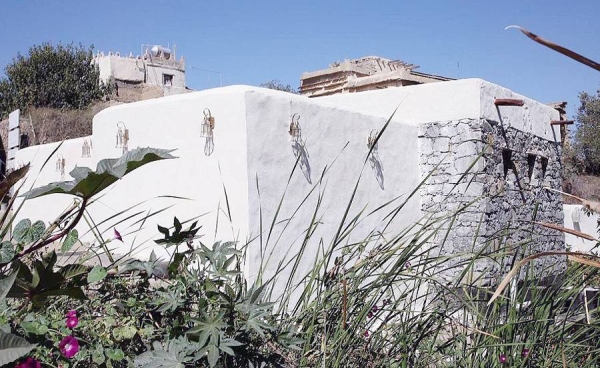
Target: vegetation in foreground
[(377, 302)]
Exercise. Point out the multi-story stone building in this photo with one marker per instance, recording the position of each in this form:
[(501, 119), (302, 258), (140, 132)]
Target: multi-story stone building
[(156, 73), (364, 74)]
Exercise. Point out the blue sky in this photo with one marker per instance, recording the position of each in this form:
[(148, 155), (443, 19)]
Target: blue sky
[(250, 42)]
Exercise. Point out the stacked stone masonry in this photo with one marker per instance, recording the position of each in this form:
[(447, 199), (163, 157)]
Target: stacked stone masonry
[(492, 177)]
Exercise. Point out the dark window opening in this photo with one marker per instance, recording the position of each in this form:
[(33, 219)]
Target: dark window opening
[(24, 141), (544, 166), (506, 160), (530, 165), (167, 79)]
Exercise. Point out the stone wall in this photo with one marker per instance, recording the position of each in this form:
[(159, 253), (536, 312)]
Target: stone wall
[(493, 179)]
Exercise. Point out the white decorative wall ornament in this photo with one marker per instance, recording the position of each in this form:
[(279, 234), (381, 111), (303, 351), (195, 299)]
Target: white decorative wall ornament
[(60, 166), (208, 124), (122, 136), (295, 131), (86, 149)]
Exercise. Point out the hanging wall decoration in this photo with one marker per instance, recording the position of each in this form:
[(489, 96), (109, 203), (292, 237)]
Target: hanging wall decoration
[(295, 131), (122, 136), (86, 149), (208, 124), (372, 139), (60, 165), (207, 132)]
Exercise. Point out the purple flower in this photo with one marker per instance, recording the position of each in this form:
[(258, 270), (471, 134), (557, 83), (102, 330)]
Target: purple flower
[(72, 322), (29, 363), (502, 358), (118, 235), (366, 334), (525, 353), (370, 314), (375, 308), (69, 346)]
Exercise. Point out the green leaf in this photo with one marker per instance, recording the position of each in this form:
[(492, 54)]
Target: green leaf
[(97, 273), (6, 284), (163, 230), (70, 240), (88, 183), (34, 327), (213, 355), (12, 348), (115, 354), (177, 224), (12, 178), (7, 252), (71, 271), (124, 332), (98, 355), (26, 233)]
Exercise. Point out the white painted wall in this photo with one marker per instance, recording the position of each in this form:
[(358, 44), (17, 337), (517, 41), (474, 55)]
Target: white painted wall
[(336, 141), (451, 100), (576, 219), (251, 144), (154, 75), (122, 68), (252, 150)]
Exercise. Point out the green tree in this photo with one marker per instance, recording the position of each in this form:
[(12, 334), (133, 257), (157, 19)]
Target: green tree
[(61, 76), (587, 137), (277, 85)]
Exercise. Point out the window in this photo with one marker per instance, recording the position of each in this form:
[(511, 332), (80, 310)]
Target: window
[(167, 79)]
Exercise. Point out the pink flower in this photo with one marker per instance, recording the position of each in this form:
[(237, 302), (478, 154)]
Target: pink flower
[(29, 363), (375, 308), (370, 315), (118, 235), (366, 334), (502, 358), (525, 353), (69, 346), (72, 322)]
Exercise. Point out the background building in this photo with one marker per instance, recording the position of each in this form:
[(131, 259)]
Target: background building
[(155, 73), (364, 74)]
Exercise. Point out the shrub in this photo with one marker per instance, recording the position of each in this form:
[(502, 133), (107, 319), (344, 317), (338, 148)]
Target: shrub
[(61, 76)]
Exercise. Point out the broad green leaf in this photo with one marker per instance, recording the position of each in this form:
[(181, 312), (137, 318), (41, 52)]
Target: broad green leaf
[(70, 240), (11, 179), (97, 273), (163, 230), (72, 292), (7, 252), (115, 354), (34, 327), (213, 355), (88, 183), (25, 232), (6, 284), (157, 359), (98, 355), (12, 348), (73, 270), (124, 332)]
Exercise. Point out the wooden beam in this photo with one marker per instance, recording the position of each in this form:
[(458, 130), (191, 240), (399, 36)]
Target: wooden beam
[(562, 122), (508, 102)]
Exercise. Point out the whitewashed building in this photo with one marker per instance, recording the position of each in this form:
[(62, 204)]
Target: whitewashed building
[(249, 172)]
